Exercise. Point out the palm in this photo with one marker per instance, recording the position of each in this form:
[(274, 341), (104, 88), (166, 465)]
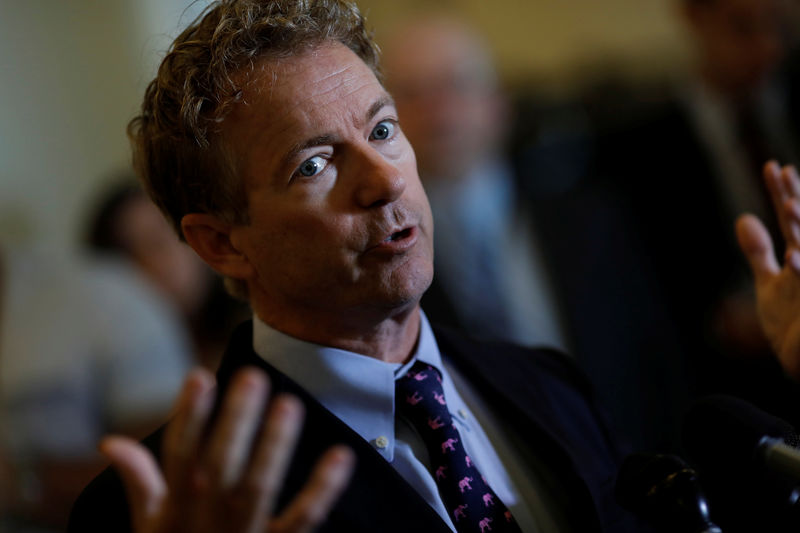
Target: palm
[(779, 312), (777, 288), (226, 477)]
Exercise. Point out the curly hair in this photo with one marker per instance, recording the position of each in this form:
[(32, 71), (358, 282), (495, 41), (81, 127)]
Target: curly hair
[(178, 152)]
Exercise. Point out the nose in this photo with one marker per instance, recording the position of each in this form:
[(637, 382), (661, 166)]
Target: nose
[(379, 181)]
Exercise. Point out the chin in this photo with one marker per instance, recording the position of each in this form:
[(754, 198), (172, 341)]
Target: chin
[(401, 289), (410, 289)]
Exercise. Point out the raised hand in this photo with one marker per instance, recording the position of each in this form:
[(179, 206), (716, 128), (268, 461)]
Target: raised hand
[(226, 477), (777, 287)]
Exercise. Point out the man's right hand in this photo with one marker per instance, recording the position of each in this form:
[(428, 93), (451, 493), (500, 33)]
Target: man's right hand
[(227, 477)]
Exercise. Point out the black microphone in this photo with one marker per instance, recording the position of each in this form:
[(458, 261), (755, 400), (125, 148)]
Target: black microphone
[(664, 491), (748, 463), (723, 431)]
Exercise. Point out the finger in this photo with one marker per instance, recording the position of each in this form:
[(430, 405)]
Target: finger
[(791, 181), (790, 187), (773, 177), (144, 484), (273, 454), (756, 244), (310, 508), (791, 212), (232, 437), (183, 434), (792, 259)]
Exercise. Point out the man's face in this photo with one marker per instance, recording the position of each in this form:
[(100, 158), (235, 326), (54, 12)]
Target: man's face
[(741, 40), (443, 83), (339, 221)]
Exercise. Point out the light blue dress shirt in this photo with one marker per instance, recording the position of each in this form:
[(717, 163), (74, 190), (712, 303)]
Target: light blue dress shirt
[(360, 390)]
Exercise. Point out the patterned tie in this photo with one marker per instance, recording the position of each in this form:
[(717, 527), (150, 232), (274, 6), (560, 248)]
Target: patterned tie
[(472, 504)]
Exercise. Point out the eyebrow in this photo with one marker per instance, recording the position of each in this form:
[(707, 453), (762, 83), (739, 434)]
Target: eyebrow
[(328, 138)]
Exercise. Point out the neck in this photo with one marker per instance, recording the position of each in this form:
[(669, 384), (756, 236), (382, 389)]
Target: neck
[(391, 338)]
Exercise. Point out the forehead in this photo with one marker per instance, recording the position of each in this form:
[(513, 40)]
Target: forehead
[(437, 53), (321, 91)]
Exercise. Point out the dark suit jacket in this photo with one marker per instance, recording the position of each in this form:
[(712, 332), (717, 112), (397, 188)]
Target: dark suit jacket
[(538, 394)]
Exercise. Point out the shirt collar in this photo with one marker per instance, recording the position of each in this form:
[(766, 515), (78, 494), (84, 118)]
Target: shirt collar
[(356, 388)]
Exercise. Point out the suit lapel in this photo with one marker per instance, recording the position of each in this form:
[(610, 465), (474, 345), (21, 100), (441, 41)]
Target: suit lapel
[(520, 400)]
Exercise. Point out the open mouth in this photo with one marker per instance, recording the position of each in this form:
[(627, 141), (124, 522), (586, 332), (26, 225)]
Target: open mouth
[(398, 235)]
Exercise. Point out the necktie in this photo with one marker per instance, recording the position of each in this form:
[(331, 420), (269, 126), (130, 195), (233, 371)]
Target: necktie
[(472, 504)]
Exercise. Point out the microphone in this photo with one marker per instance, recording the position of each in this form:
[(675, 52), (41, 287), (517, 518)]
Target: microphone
[(722, 431), (780, 457), (749, 465), (665, 492)]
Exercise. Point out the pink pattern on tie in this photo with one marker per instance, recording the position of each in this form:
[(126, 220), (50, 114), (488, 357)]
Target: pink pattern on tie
[(488, 500), (414, 399), (436, 423), (468, 462), (464, 484), (439, 398), (459, 512), (440, 472), (420, 376), (484, 524), (448, 445)]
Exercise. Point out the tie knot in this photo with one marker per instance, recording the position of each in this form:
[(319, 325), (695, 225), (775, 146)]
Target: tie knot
[(420, 398), (421, 379)]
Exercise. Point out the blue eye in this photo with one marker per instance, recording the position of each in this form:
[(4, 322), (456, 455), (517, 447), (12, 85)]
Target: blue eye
[(384, 130), (312, 166)]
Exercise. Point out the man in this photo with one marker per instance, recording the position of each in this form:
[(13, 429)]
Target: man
[(269, 142), (491, 276), (515, 259)]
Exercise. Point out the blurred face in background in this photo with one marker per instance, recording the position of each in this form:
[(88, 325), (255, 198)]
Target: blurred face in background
[(445, 87), (740, 42), (150, 242)]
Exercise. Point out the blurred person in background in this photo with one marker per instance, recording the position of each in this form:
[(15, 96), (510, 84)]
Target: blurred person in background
[(126, 223), (491, 276), (85, 348), (686, 166), (514, 260)]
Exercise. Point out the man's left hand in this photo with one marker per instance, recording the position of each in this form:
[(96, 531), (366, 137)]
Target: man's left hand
[(777, 287)]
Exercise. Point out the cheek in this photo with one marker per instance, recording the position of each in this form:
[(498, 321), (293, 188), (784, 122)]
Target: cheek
[(308, 234)]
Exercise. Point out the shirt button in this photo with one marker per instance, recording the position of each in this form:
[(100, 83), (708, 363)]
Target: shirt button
[(381, 442), (463, 414)]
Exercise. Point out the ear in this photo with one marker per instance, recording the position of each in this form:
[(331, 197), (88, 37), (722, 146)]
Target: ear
[(210, 237)]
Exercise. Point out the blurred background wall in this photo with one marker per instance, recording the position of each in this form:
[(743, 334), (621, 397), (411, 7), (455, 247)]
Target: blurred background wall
[(557, 45), (72, 74)]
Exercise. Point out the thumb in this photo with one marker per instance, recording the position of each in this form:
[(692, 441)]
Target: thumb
[(756, 244), (143, 481)]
